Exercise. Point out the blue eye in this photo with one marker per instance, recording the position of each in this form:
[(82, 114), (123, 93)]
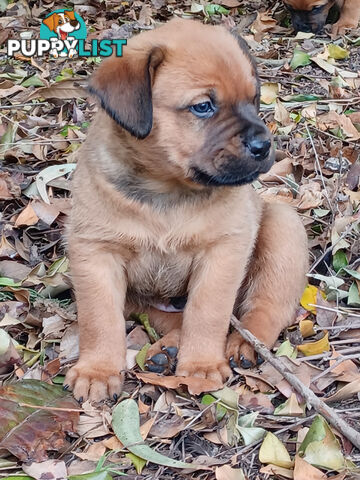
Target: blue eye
[(203, 110), (318, 8)]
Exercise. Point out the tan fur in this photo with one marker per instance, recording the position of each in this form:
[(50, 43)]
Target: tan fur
[(349, 13), (180, 236)]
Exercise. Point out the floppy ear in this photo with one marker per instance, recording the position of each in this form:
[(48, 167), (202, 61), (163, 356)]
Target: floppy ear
[(70, 14), (245, 48), (123, 86), (50, 21)]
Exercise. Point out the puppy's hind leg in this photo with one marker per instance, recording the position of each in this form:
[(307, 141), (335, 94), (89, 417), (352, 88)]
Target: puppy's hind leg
[(275, 281)]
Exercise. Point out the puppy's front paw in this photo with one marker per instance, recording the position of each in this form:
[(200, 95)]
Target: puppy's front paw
[(240, 353), (340, 27), (162, 355), (214, 369), (94, 381)]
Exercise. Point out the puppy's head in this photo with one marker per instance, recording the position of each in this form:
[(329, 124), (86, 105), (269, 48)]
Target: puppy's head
[(308, 15), (190, 92)]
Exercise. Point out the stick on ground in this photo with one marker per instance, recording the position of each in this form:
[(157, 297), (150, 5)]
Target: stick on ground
[(327, 412)]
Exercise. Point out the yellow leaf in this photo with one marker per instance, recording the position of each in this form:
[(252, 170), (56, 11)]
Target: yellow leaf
[(314, 348), (337, 52), (309, 296), (273, 451), (307, 328)]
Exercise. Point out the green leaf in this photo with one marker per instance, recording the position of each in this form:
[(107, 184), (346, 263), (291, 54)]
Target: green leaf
[(228, 397), (354, 297), (353, 273), (126, 426), (299, 59), (220, 409), (300, 98), (142, 355), (286, 350), (144, 320), (139, 463), (337, 52), (339, 260), (18, 477), (251, 434), (33, 81), (320, 446), (213, 9), (104, 475), (8, 282)]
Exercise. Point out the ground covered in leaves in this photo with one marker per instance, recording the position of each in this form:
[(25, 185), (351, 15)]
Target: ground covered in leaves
[(258, 426)]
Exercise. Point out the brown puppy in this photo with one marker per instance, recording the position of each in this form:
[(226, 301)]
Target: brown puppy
[(162, 208), (311, 15)]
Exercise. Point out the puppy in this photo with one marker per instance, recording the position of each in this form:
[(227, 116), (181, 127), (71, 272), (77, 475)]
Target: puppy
[(162, 207), (62, 24), (311, 15)]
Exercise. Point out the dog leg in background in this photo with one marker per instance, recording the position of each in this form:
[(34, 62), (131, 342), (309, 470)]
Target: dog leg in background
[(275, 281), (211, 297), (349, 17), (100, 287)]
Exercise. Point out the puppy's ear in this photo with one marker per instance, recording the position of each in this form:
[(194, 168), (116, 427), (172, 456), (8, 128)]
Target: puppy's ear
[(51, 21), (245, 48), (123, 86)]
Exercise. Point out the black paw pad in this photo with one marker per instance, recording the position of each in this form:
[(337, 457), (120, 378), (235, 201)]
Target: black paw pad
[(232, 363), (164, 362), (245, 363)]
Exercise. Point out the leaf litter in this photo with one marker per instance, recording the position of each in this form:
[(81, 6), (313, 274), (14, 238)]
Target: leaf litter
[(258, 426)]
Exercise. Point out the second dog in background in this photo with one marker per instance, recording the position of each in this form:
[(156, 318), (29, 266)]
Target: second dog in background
[(311, 15)]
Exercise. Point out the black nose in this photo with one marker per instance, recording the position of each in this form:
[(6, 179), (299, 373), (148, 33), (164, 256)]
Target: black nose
[(74, 23), (259, 148)]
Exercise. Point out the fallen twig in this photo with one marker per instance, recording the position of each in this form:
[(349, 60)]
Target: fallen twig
[(327, 412)]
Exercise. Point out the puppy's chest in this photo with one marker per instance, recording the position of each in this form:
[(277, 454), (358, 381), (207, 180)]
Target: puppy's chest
[(153, 274)]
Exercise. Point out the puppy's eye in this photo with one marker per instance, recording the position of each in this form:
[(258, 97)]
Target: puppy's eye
[(203, 110), (60, 22), (318, 8)]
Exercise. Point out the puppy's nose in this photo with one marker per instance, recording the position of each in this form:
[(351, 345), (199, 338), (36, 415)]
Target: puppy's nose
[(73, 23), (259, 148)]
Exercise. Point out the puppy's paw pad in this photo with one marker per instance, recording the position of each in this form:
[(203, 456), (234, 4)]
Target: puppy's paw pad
[(164, 361), (95, 383), (239, 352), (217, 371)]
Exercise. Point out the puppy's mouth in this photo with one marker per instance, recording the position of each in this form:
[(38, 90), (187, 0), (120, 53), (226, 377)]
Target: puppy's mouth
[(225, 179)]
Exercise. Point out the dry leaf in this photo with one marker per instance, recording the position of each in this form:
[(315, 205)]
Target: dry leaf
[(304, 471), (228, 473), (195, 385)]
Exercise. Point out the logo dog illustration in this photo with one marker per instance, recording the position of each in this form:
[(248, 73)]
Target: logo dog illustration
[(62, 24)]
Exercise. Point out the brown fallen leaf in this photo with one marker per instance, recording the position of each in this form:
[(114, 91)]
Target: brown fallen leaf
[(229, 473), (27, 217), (51, 469), (167, 427), (277, 471), (345, 393), (64, 89), (28, 432), (195, 385), (346, 371), (304, 471), (279, 169), (263, 23), (255, 401)]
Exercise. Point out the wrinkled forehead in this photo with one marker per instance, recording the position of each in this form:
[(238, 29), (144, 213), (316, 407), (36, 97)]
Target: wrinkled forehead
[(217, 66), (306, 4)]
